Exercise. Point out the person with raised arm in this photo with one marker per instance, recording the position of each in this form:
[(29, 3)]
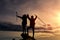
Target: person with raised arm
[(24, 22), (32, 23)]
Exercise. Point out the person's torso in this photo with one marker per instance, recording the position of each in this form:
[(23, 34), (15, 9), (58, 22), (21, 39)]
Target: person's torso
[(32, 22), (24, 20)]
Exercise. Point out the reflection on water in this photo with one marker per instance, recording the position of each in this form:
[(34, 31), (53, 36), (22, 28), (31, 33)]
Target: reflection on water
[(8, 35)]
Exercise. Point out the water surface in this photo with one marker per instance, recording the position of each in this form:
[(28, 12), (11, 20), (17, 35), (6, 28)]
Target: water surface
[(9, 35)]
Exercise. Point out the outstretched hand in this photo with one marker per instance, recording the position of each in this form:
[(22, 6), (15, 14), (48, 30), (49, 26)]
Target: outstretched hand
[(36, 15)]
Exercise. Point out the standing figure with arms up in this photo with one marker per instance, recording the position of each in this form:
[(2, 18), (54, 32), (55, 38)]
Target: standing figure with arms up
[(32, 23)]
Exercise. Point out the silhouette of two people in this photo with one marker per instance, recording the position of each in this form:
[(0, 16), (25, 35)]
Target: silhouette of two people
[(24, 23)]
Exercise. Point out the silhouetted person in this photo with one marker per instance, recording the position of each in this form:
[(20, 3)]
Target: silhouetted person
[(24, 22), (32, 23)]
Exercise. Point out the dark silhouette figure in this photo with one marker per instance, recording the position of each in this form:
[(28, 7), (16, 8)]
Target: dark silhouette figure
[(26, 37), (24, 22), (32, 23), (13, 39)]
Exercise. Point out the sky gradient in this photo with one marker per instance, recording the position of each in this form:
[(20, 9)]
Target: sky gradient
[(47, 10)]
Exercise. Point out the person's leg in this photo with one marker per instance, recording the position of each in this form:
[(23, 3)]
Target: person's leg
[(28, 30), (33, 31), (23, 26), (25, 29)]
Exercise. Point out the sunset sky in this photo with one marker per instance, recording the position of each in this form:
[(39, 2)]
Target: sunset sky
[(47, 10)]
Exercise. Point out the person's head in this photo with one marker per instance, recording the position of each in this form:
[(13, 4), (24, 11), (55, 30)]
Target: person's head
[(24, 15), (32, 16)]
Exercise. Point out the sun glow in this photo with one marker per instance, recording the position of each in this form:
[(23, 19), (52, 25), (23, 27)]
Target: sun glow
[(58, 18)]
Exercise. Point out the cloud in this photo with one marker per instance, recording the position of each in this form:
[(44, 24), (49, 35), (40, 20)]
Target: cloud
[(8, 8)]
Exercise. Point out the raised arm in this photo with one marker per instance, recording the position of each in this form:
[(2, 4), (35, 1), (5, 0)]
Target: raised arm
[(35, 17), (28, 17), (19, 16)]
